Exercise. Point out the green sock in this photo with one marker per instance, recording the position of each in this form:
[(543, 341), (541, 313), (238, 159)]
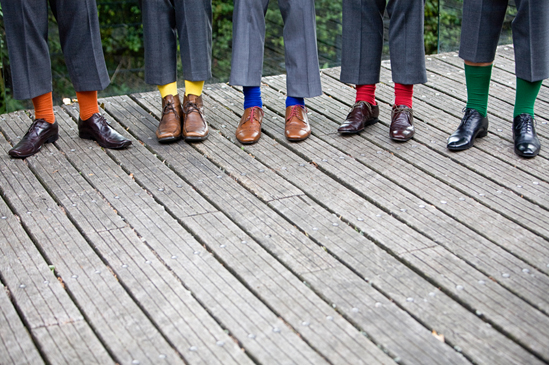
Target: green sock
[(478, 85), (527, 92)]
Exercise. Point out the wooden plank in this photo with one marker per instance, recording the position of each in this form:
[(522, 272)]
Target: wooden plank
[(274, 233), (249, 320), (54, 321), (175, 312), (115, 317), (16, 346), (226, 123), (319, 186), (494, 196)]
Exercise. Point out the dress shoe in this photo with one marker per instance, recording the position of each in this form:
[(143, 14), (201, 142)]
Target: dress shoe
[(297, 123), (169, 129), (473, 125), (363, 114), (402, 123), (39, 132), (249, 129), (195, 127), (524, 134), (96, 128)]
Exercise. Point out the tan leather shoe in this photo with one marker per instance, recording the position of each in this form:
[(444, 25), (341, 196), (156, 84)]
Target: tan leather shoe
[(169, 129), (249, 129), (195, 127), (297, 123)]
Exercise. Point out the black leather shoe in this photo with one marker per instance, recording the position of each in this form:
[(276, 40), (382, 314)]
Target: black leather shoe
[(97, 129), (363, 114), (402, 123), (473, 125), (39, 132), (524, 134)]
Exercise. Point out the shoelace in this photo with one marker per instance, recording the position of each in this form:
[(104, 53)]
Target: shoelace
[(252, 112), (526, 123), (466, 117), (190, 107), (402, 110), (169, 106), (294, 112)]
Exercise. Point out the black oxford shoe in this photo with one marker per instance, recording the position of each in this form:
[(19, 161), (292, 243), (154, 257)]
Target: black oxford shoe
[(39, 132), (473, 125), (97, 129), (524, 134)]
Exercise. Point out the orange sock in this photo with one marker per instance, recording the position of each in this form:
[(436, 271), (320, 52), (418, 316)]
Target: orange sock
[(43, 107), (88, 104)]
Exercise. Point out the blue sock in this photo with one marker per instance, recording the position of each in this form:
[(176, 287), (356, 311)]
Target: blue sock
[(252, 97), (294, 101)]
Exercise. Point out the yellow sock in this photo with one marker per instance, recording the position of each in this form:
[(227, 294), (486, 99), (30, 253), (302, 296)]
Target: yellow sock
[(194, 87), (168, 89)]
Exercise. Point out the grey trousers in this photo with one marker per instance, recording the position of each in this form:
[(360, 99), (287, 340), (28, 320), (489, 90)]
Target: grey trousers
[(302, 70), (26, 23), (163, 20), (362, 41), (481, 28)]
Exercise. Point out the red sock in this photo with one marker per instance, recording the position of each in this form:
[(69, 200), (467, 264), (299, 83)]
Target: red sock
[(366, 93), (43, 107), (88, 104), (404, 94)]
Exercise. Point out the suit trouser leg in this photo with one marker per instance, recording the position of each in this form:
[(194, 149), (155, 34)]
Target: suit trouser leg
[(193, 19), (81, 43), (362, 41), (406, 43), (28, 47), (248, 42), (160, 41), (300, 48), (531, 40)]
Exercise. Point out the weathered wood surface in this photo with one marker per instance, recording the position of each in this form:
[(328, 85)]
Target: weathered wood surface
[(333, 250)]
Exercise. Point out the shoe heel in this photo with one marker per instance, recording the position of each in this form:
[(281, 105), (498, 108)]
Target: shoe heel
[(85, 135), (482, 133), (52, 139)]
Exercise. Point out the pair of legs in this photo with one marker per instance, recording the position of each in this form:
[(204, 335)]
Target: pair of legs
[(302, 70), (361, 60), (163, 22), (482, 22), (26, 23)]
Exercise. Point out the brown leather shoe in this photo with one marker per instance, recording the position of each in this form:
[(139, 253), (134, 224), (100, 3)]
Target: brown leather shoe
[(297, 123), (169, 129), (363, 114), (39, 132), (96, 128), (249, 129), (195, 127), (402, 128)]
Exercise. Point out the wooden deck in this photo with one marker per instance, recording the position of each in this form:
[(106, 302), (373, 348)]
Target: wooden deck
[(341, 250)]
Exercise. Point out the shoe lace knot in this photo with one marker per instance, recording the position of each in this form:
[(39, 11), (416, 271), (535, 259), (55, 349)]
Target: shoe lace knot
[(293, 112)]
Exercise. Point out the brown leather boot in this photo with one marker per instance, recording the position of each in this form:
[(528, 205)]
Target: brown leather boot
[(195, 127), (297, 123), (169, 129)]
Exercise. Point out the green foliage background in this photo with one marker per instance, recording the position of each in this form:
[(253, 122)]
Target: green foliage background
[(122, 34)]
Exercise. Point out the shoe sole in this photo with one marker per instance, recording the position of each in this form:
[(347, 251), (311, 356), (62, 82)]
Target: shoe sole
[(196, 139), (168, 139), (52, 139), (86, 136), (367, 124)]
